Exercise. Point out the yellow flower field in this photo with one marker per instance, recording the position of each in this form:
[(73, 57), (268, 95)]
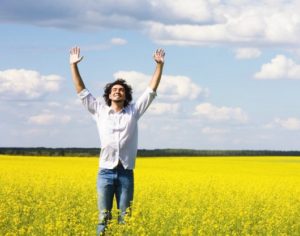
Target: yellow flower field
[(173, 196)]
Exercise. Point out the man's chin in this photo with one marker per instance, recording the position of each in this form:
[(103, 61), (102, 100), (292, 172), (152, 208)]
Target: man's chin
[(118, 100)]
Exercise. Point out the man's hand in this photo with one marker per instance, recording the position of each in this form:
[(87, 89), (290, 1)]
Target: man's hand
[(159, 56), (75, 55)]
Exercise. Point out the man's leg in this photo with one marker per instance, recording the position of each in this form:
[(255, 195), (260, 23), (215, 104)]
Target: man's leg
[(124, 193), (105, 190)]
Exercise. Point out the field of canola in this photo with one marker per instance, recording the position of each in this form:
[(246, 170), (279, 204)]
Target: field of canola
[(173, 196)]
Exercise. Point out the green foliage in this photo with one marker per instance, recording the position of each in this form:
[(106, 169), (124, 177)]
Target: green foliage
[(94, 152)]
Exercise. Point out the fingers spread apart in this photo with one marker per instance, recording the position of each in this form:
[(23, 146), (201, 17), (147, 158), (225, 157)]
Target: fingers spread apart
[(160, 52), (75, 50)]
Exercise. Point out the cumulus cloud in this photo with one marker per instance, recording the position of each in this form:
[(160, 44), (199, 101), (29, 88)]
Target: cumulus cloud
[(280, 67), (163, 108), (171, 88), (185, 11), (244, 22), (247, 53), (48, 119), (290, 123), (214, 113), (187, 22), (21, 84)]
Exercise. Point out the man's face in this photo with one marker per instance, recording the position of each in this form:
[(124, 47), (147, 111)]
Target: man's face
[(117, 93)]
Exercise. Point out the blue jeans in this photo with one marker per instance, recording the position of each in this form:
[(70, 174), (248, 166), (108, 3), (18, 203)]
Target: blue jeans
[(116, 182)]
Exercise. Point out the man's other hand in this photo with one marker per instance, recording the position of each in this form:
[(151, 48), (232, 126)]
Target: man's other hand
[(75, 55)]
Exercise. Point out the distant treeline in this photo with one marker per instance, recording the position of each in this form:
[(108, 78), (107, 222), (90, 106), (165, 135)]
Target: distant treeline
[(92, 152)]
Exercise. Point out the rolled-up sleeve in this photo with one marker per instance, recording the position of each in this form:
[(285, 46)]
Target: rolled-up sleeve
[(144, 101), (83, 93), (88, 100)]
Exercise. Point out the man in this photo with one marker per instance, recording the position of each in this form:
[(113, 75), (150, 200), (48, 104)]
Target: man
[(117, 123)]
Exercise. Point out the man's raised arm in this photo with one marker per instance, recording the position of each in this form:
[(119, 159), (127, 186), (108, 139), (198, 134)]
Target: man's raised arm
[(75, 58), (159, 57)]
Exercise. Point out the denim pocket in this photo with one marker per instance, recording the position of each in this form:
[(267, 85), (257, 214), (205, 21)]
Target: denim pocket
[(104, 171)]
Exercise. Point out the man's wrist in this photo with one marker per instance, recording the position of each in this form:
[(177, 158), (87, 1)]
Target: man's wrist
[(73, 64)]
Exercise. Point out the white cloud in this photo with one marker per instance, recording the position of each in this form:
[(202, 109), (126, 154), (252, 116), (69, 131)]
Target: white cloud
[(280, 67), (199, 22), (163, 108), (186, 34), (185, 11), (48, 119), (211, 112), (172, 88), (243, 22), (21, 84), (118, 41), (289, 123), (247, 53)]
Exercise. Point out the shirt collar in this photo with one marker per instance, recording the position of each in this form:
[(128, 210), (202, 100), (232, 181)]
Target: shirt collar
[(112, 111)]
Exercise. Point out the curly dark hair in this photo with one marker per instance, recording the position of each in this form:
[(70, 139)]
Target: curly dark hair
[(122, 82)]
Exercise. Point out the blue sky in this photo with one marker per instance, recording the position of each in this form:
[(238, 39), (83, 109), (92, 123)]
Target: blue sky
[(231, 77)]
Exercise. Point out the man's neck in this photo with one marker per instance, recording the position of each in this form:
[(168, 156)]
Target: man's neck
[(117, 106)]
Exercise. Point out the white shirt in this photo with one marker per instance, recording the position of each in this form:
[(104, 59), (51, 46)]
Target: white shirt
[(118, 131)]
